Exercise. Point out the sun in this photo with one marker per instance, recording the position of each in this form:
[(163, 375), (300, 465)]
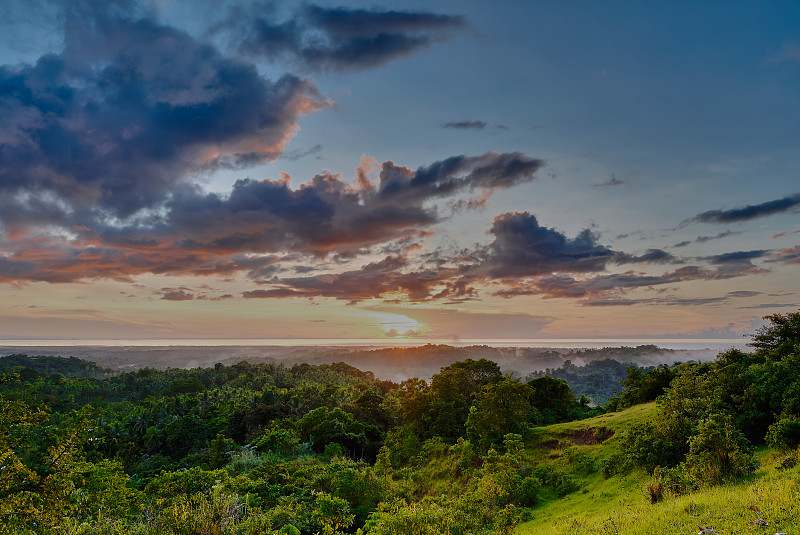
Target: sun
[(396, 325)]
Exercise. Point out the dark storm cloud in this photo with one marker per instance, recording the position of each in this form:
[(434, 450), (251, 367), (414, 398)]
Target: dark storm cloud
[(748, 212), (118, 120), (466, 125), (335, 38)]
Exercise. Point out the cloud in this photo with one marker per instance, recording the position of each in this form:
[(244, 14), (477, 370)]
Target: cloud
[(524, 258), (736, 257), (748, 212), (293, 156), (737, 263), (466, 125), (604, 287), (771, 305), (613, 181), (177, 295), (651, 256), (789, 255), (705, 239), (523, 248), (105, 144), (335, 38), (571, 287), (327, 214), (668, 301), (744, 293), (374, 279), (120, 120), (193, 232)]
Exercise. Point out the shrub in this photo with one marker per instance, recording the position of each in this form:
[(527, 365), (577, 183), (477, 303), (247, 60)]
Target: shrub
[(785, 433), (717, 453), (618, 463)]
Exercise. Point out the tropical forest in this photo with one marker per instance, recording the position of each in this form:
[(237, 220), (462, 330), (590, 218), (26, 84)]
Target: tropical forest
[(267, 448)]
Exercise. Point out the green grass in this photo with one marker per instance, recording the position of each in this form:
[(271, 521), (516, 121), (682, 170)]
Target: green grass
[(625, 510), (619, 505)]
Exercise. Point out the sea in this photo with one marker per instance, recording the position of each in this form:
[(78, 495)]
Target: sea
[(719, 344)]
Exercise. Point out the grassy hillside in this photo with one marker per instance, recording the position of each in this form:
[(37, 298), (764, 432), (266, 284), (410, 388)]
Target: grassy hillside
[(766, 502)]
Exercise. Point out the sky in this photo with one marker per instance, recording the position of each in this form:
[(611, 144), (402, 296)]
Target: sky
[(406, 170)]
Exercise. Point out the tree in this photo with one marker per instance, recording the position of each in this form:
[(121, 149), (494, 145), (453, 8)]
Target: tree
[(37, 462), (683, 406), (780, 335), (322, 426), (553, 398), (501, 408), (642, 386), (717, 453)]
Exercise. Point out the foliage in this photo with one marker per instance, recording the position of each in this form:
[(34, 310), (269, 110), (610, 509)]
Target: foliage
[(785, 432), (780, 335), (717, 452), (37, 463), (641, 385), (605, 369), (552, 398), (500, 408), (262, 448)]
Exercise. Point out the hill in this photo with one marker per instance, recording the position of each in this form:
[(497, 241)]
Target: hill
[(622, 503), (331, 449)]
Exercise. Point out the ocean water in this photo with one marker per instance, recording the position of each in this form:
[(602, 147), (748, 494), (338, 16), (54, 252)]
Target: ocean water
[(719, 344)]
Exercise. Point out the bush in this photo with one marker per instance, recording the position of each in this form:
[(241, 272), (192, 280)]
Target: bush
[(717, 453), (785, 433), (277, 440), (618, 463)]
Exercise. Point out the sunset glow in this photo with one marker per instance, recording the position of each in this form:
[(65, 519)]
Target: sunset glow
[(404, 170), (397, 325)]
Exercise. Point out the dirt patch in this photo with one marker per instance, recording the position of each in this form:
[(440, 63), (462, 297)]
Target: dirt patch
[(590, 436)]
